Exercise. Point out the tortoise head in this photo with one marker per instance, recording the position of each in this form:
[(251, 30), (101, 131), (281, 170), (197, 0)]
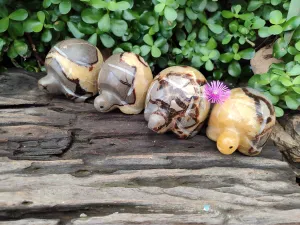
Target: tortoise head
[(106, 101), (50, 84), (228, 141)]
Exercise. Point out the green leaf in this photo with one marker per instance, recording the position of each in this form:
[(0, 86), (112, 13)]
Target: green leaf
[(196, 61), (297, 45), (209, 66), (12, 53), (117, 50), (273, 98), (112, 6), (216, 28), (291, 102), (211, 44), (41, 16), (136, 50), (295, 70), (226, 39), (227, 14), (226, 57), (130, 15), (258, 23), (123, 5), (145, 49), (59, 25), (276, 17), (234, 69), (296, 81), (190, 14), (297, 58), (32, 26), (170, 13), (104, 23), (91, 16), (199, 5), (107, 40), (277, 89), (217, 74), (275, 2), (148, 39), (98, 4), (2, 43), (279, 48), (65, 6), (20, 47), (86, 28), (237, 8), (296, 89), (246, 16), (214, 54), (15, 29), (46, 3), (74, 30), (188, 25), (247, 53), (292, 23), (275, 29), (285, 81), (264, 32), (159, 42), (19, 15), (4, 23), (254, 5), (56, 1), (235, 48), (159, 7), (155, 52), (278, 111), (233, 26), (93, 39), (46, 36)]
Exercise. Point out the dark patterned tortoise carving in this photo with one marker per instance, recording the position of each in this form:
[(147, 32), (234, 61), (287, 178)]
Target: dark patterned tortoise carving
[(72, 67), (244, 122), (123, 83), (175, 102)]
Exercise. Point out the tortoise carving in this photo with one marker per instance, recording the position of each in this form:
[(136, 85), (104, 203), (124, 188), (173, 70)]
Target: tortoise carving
[(175, 102), (123, 83), (72, 69), (244, 122)]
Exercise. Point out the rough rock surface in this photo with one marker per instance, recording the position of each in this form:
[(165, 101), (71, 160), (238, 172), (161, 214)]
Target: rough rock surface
[(64, 163), (263, 59)]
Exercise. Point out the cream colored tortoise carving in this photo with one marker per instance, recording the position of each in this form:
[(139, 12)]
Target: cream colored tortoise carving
[(72, 68), (123, 83), (244, 122), (175, 102)]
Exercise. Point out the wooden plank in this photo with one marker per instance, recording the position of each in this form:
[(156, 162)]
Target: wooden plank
[(77, 166)]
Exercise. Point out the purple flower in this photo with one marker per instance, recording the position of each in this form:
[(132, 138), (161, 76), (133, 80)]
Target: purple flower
[(216, 92)]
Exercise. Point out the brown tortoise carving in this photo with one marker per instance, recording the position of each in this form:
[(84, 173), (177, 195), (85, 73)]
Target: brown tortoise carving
[(72, 69), (123, 83), (175, 102)]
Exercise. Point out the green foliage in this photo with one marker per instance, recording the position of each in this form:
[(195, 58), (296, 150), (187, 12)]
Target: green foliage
[(217, 37), (281, 84)]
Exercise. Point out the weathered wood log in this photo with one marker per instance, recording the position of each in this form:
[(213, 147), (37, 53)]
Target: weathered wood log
[(65, 163)]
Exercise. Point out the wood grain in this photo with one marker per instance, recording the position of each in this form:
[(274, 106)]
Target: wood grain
[(64, 163)]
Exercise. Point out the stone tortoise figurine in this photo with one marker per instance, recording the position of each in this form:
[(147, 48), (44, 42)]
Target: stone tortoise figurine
[(123, 83), (72, 68), (244, 122), (175, 102)]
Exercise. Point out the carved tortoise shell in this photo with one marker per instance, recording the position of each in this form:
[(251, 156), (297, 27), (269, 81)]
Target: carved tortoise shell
[(123, 83), (175, 102), (72, 69), (244, 121)]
